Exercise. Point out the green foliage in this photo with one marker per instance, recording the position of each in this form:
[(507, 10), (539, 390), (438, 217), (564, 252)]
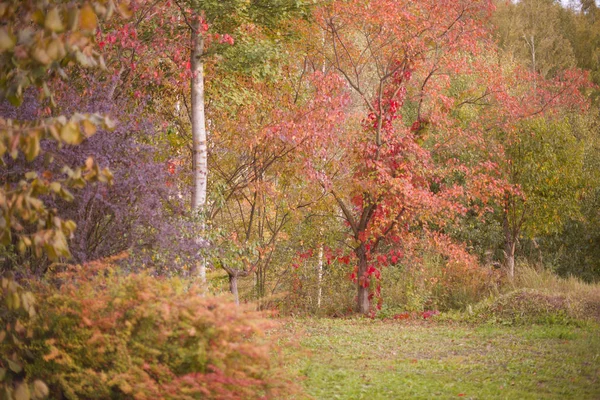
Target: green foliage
[(528, 306), (575, 250), (531, 32), (226, 16), (302, 290), (102, 335), (548, 165)]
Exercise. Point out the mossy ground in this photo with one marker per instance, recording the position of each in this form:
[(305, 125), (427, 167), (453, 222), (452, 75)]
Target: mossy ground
[(374, 359)]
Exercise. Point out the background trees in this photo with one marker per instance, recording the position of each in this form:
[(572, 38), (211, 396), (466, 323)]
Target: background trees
[(342, 139)]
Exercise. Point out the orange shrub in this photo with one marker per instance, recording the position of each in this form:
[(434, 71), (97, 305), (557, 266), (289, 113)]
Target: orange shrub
[(102, 335)]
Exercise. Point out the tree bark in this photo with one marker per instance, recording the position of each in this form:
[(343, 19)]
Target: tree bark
[(199, 145), (200, 150), (233, 287), (320, 277), (510, 258), (363, 292), (510, 242)]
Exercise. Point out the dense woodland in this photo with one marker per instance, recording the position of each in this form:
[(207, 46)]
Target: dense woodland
[(330, 158)]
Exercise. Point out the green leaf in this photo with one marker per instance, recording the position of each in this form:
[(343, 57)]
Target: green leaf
[(14, 366)]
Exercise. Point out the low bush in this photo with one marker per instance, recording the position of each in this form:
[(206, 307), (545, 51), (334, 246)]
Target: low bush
[(432, 282), (537, 295), (101, 335), (585, 295), (529, 306)]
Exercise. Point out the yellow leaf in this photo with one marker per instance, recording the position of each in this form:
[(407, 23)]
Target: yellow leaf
[(39, 54), (55, 187), (54, 132), (7, 41), (88, 128), (3, 9), (70, 134), (56, 49), (53, 22), (32, 149), (70, 226), (87, 18), (125, 10), (72, 18), (22, 392), (38, 17), (40, 390)]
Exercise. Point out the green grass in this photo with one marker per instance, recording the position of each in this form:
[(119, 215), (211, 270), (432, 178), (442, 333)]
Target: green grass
[(373, 359)]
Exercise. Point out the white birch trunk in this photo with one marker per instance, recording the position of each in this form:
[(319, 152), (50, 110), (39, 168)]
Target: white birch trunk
[(200, 149)]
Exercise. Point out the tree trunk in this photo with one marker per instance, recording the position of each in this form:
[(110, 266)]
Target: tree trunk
[(510, 258), (510, 243), (233, 288), (320, 277), (363, 292), (199, 146), (200, 150)]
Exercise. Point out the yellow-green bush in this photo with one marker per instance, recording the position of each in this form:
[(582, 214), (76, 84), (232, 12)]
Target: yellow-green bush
[(101, 335), (537, 295), (431, 281)]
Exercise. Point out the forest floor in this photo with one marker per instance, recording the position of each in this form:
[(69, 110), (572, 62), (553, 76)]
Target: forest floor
[(375, 359)]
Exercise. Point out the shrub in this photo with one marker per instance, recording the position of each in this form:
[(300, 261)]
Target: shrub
[(431, 281), (102, 335), (530, 306), (586, 295), (538, 296), (17, 311), (301, 290)]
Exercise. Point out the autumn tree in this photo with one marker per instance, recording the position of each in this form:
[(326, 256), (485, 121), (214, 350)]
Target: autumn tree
[(540, 35), (169, 47), (384, 173)]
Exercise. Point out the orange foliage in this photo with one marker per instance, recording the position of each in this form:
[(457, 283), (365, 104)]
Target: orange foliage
[(101, 335)]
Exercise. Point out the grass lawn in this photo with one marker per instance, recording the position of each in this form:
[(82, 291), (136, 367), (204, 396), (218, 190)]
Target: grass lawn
[(373, 359)]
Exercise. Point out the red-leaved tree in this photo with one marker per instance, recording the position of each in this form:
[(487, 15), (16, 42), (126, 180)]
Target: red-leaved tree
[(393, 169)]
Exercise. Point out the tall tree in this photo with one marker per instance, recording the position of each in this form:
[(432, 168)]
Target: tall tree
[(225, 18), (397, 59), (546, 163)]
